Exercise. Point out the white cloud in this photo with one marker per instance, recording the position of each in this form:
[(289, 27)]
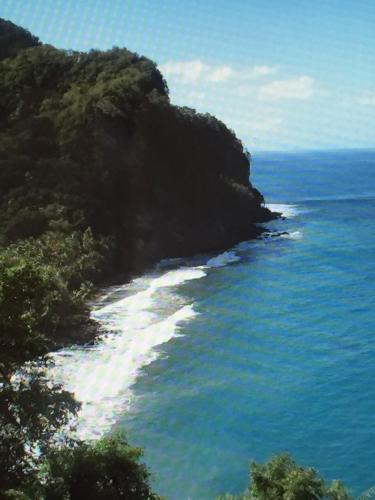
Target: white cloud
[(301, 88), (257, 72), (219, 73), (367, 99), (186, 71), (254, 102), (192, 72)]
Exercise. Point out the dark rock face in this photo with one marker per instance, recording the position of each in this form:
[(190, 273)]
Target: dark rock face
[(92, 140), (190, 189)]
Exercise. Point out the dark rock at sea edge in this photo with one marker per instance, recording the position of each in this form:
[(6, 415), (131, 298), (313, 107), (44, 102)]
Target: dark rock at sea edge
[(85, 332), (183, 242)]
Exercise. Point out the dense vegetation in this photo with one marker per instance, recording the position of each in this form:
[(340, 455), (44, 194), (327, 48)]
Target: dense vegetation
[(282, 479), (99, 174), (95, 160), (39, 460), (13, 39), (91, 140)]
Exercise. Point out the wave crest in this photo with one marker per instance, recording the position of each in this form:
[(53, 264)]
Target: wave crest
[(287, 211)]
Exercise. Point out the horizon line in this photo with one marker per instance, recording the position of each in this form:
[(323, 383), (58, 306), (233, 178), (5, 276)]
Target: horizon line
[(312, 150)]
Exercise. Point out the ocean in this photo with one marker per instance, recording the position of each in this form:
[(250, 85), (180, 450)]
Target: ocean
[(268, 347)]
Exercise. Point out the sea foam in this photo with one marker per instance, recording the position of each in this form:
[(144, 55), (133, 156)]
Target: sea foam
[(294, 235), (101, 376), (286, 210), (223, 259)]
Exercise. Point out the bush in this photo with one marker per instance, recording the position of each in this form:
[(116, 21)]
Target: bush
[(32, 413), (282, 479), (44, 284), (108, 469)]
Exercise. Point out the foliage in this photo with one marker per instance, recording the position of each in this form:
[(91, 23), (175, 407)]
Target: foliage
[(63, 202), (44, 284), (32, 412), (108, 469), (43, 289), (23, 300), (91, 138), (283, 479), (13, 38)]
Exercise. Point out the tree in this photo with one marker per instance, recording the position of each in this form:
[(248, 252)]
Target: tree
[(44, 284), (13, 38), (24, 303), (106, 470), (32, 414), (282, 479)]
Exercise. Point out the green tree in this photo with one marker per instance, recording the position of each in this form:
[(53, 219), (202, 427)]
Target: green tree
[(24, 303), (13, 38), (44, 284), (32, 413), (108, 469), (283, 479)]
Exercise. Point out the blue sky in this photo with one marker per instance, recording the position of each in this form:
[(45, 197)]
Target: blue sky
[(284, 74)]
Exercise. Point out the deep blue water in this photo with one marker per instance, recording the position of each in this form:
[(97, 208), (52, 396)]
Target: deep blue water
[(279, 354)]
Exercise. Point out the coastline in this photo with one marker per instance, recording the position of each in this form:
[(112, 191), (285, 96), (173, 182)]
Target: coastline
[(89, 330)]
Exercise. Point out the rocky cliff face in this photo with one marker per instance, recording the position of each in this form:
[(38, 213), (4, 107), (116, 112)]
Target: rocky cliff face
[(93, 140), (185, 185)]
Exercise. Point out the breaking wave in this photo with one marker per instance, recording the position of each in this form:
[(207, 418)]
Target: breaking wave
[(287, 211), (102, 375)]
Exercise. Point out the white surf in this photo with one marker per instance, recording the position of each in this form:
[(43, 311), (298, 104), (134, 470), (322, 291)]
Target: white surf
[(150, 312)]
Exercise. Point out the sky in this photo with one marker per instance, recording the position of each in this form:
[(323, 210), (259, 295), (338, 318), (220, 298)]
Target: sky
[(283, 74)]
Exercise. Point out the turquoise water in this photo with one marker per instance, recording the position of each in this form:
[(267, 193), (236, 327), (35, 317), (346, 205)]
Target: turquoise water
[(269, 347), (281, 355)]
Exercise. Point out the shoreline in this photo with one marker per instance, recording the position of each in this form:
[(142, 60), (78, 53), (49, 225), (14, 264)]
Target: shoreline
[(89, 330)]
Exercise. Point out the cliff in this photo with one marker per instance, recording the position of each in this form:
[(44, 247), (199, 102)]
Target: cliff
[(92, 140)]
